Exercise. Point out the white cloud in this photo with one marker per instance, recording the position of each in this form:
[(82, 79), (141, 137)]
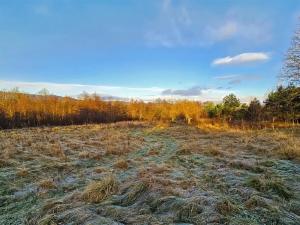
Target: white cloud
[(242, 58), (146, 94)]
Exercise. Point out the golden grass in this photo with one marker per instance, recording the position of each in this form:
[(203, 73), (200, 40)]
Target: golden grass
[(100, 169), (290, 149), (22, 172), (121, 164), (57, 151), (98, 191), (47, 184)]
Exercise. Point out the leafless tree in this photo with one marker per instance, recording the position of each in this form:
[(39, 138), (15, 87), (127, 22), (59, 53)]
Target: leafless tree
[(291, 70)]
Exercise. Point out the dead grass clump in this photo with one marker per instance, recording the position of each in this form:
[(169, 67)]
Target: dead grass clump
[(121, 164), (116, 150), (132, 193), (188, 211), (47, 184), (98, 191), (213, 151), (286, 145), (257, 201), (264, 184), (4, 163), (187, 184), (57, 151), (22, 172), (84, 154), (153, 152), (100, 169), (89, 155), (225, 207), (290, 150), (242, 164), (184, 151)]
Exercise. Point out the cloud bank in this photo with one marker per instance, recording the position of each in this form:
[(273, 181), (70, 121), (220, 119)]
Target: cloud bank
[(241, 58), (63, 89), (237, 79), (119, 93), (193, 91)]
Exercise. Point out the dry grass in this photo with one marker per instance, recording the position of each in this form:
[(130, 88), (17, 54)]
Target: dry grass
[(225, 207), (22, 172), (57, 151), (290, 149), (47, 184), (153, 152), (98, 191), (265, 183), (100, 169), (121, 164), (176, 175), (213, 151)]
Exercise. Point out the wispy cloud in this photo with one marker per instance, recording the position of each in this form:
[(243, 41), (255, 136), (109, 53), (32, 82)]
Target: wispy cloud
[(237, 79), (76, 89), (121, 93), (181, 23), (193, 91), (226, 30), (242, 58), (41, 9)]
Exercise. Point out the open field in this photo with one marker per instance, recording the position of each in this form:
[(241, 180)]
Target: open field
[(136, 173)]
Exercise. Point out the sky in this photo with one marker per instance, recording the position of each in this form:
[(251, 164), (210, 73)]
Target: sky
[(170, 49)]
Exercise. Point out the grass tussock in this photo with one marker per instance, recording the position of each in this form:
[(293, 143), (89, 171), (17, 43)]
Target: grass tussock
[(98, 191), (100, 169), (4, 163), (257, 201), (22, 172), (153, 152), (89, 155), (213, 151), (264, 184), (47, 184), (57, 151), (225, 207), (290, 150), (133, 192), (121, 164), (246, 165)]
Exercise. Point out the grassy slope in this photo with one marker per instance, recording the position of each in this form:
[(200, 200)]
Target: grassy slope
[(140, 174)]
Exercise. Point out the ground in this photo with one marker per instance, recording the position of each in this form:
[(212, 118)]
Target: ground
[(136, 173)]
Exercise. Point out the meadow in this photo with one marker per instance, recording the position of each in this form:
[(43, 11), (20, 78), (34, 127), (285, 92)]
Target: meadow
[(144, 173)]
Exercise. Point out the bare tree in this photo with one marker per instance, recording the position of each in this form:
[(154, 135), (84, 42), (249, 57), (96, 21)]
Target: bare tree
[(291, 69)]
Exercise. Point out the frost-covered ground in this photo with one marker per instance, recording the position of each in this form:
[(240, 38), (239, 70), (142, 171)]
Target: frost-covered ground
[(134, 173)]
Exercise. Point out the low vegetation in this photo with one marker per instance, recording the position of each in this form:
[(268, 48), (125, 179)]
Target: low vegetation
[(139, 173)]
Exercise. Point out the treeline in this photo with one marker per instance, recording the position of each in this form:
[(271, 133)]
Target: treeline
[(281, 105), (24, 110)]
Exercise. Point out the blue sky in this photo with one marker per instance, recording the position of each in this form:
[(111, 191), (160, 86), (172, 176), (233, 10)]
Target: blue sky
[(146, 49)]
